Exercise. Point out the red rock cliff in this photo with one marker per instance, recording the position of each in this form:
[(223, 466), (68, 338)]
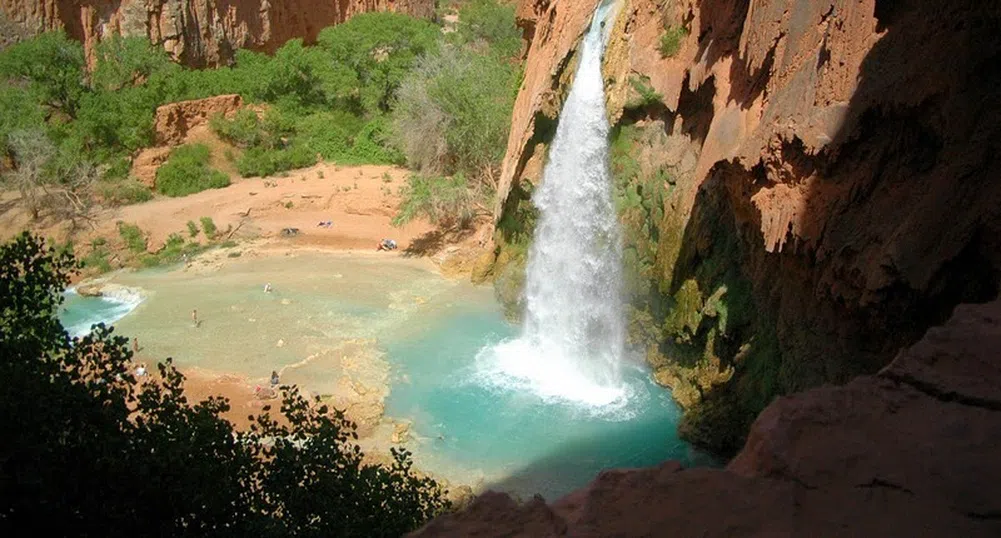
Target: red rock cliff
[(835, 158), (197, 32)]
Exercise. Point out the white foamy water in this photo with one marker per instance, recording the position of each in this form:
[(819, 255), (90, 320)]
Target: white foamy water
[(80, 313), (572, 344)]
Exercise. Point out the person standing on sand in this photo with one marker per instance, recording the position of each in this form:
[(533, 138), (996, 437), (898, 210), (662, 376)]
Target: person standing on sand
[(274, 379), (194, 317), (135, 346)]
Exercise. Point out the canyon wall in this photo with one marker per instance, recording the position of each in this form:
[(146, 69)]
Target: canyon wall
[(197, 33), (806, 186)]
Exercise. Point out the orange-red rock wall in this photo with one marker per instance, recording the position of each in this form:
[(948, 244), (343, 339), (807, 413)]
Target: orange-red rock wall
[(848, 145), (198, 32)]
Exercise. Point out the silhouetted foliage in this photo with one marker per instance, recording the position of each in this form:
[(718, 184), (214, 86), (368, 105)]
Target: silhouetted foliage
[(89, 451)]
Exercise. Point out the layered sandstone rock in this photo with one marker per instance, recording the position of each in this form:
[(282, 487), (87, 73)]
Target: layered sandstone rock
[(910, 451), (174, 120), (198, 32), (833, 157)]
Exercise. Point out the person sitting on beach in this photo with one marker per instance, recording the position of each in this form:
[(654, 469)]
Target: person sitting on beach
[(274, 379), (267, 288), (141, 370), (387, 244)]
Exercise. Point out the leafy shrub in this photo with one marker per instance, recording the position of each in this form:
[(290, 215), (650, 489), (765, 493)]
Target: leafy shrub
[(133, 236), (646, 95), (243, 130), (444, 201), (265, 162), (670, 40), (125, 192), (330, 134), (97, 259), (373, 144), (187, 172), (192, 228), (18, 112), (208, 225), (173, 251), (452, 113), (492, 23)]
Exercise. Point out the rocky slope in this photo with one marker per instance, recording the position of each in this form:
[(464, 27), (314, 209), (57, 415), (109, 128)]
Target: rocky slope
[(910, 451), (806, 186), (196, 32)]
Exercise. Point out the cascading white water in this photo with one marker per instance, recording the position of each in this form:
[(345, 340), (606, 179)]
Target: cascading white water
[(572, 342)]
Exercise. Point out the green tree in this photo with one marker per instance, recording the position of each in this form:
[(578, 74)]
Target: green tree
[(492, 23), (187, 171), (52, 64), (89, 452), (446, 202), (128, 62), (292, 76), (453, 112), (18, 111), (380, 49)]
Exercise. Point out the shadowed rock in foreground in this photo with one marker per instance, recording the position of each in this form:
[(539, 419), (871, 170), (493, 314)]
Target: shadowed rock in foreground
[(910, 451)]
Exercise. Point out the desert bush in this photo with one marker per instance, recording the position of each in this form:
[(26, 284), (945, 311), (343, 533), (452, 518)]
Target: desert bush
[(133, 236), (124, 192), (208, 225), (244, 130), (645, 94), (446, 202), (492, 23), (452, 113), (187, 172), (670, 40), (265, 162)]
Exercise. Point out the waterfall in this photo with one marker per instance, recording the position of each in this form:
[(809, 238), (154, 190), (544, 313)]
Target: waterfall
[(572, 342)]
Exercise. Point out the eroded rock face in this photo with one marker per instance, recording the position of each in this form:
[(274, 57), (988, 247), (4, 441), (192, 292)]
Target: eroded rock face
[(174, 120), (843, 174), (198, 32), (910, 451), (554, 30)]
